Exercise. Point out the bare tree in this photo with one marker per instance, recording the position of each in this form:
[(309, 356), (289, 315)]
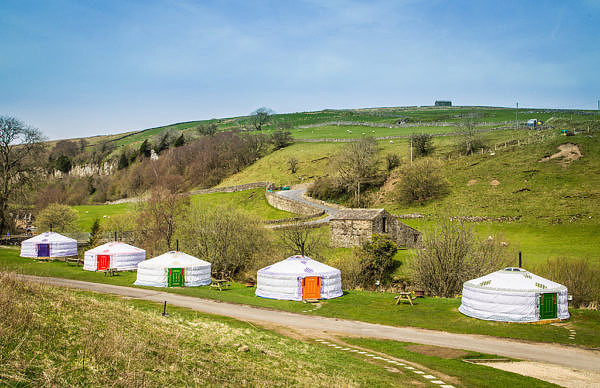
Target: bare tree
[(159, 216), (229, 239), (293, 164), (20, 160), (301, 239), (469, 141), (260, 117), (451, 255), (357, 163)]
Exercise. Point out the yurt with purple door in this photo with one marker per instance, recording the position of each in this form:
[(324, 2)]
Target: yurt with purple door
[(298, 278), (49, 244)]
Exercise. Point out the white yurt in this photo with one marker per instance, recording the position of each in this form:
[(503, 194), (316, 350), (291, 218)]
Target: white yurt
[(49, 244), (298, 278), (116, 254), (514, 295), (173, 269)]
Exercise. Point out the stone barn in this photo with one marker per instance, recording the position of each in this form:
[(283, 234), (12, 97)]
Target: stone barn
[(353, 227)]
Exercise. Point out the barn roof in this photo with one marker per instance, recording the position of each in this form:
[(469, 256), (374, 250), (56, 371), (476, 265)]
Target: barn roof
[(358, 214)]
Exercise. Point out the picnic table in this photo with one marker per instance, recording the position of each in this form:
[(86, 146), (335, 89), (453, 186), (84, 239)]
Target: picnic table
[(404, 296), (111, 272), (220, 284)]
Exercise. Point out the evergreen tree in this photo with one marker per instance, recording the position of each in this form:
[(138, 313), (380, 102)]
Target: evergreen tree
[(94, 233), (145, 149), (180, 141)]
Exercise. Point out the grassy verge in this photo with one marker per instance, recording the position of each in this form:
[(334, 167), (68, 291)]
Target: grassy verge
[(57, 337), (450, 363), (375, 307)]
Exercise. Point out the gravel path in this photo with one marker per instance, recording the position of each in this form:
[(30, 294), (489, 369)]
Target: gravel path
[(567, 356)]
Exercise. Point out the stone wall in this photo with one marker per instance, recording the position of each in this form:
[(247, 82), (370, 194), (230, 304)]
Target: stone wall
[(349, 233), (403, 234), (290, 205), (232, 189)]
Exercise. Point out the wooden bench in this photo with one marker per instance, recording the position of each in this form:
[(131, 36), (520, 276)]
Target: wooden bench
[(220, 284), (404, 296)]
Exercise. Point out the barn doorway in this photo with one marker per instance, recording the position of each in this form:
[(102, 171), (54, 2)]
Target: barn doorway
[(176, 278), (548, 309), (103, 262), (43, 250), (311, 287)]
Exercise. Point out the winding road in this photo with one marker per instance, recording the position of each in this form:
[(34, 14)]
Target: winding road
[(563, 355), (298, 195)]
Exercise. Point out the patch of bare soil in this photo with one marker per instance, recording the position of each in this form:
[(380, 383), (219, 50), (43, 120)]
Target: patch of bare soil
[(567, 153), (471, 182), (560, 375), (436, 351), (387, 188), (494, 182)]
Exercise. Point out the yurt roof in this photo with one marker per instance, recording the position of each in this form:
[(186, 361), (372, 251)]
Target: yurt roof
[(49, 237), (299, 265), (174, 259), (514, 279), (115, 247)]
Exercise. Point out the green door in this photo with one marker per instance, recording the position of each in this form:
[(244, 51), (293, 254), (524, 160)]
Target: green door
[(548, 308), (176, 277)]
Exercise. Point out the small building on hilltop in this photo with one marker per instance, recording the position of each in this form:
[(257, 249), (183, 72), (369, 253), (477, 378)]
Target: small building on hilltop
[(353, 227), (443, 103)]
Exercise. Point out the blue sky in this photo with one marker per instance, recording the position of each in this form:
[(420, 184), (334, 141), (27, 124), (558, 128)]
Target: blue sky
[(78, 68)]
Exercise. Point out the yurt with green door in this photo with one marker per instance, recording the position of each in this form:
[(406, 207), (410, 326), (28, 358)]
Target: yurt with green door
[(173, 269), (514, 295)]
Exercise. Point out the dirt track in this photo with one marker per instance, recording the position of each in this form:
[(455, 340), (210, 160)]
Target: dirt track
[(568, 356)]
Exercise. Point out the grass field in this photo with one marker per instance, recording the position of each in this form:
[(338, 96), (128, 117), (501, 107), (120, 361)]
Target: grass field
[(142, 348), (376, 307), (252, 201)]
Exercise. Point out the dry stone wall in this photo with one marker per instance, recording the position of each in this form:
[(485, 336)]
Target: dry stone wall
[(232, 189), (290, 205), (349, 233)]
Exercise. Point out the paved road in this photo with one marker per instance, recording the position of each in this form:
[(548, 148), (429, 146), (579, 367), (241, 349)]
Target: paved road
[(548, 353), (297, 195)]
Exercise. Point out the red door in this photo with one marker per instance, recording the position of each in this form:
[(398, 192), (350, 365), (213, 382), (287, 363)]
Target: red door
[(311, 287), (103, 262)]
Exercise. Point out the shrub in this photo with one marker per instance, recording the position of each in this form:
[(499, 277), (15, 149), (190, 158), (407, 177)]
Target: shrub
[(377, 260), (326, 188), (293, 164), (281, 139), (62, 218), (422, 144), (392, 161), (450, 255), (578, 275), (421, 181)]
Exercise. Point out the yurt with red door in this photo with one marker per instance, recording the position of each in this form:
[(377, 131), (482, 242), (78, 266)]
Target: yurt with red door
[(49, 244), (298, 278), (115, 255)]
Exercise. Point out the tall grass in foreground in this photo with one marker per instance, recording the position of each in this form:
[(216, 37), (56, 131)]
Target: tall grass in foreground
[(56, 337)]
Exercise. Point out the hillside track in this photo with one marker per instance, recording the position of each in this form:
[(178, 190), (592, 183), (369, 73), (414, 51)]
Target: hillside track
[(563, 355)]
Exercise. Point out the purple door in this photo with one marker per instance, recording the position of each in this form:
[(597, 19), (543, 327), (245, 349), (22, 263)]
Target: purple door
[(43, 250)]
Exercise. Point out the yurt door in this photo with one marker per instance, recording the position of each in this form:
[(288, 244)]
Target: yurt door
[(43, 250), (311, 287), (548, 308), (176, 277), (103, 262)]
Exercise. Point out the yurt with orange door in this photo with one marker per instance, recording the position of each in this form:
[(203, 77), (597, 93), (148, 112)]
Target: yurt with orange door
[(49, 244), (174, 269), (115, 255), (298, 278)]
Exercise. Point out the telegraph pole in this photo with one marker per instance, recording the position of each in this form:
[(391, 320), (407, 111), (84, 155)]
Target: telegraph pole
[(517, 117)]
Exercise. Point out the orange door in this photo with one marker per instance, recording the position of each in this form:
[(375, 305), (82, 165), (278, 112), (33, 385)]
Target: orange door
[(103, 262), (311, 287)]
